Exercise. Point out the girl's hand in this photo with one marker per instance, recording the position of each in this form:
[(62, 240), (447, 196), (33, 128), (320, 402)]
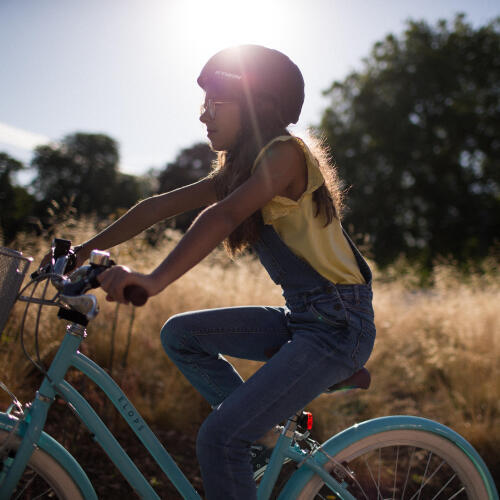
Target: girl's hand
[(116, 278)]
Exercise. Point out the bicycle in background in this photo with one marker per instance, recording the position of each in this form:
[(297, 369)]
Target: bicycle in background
[(397, 457)]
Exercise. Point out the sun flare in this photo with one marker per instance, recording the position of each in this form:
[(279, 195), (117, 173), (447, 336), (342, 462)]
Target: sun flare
[(212, 26)]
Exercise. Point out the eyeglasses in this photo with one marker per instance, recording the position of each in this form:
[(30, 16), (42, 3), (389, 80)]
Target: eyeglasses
[(210, 107)]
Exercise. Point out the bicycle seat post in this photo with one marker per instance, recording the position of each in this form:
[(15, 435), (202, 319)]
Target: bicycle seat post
[(291, 424)]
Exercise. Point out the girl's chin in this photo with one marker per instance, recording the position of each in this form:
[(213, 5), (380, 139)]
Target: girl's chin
[(216, 146), (213, 147)]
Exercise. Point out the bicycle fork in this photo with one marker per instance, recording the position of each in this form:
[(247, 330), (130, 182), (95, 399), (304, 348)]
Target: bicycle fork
[(36, 415)]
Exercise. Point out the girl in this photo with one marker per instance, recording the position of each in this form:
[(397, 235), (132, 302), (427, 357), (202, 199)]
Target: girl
[(268, 192)]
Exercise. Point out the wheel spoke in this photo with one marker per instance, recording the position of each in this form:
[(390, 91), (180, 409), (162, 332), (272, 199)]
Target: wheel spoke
[(42, 494), (461, 490), (444, 486), (28, 483), (373, 479), (424, 481), (353, 478), (433, 474), (395, 474), (379, 465), (408, 473)]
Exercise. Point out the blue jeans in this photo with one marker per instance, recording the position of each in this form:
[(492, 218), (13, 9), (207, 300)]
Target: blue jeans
[(318, 339)]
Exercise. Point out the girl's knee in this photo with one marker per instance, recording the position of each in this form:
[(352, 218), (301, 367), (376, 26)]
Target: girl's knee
[(171, 334)]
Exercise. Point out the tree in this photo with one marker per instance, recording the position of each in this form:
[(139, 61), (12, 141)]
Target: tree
[(190, 165), (83, 170), (16, 204), (416, 136)]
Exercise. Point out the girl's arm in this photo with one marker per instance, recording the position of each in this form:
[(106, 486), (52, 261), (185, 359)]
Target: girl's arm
[(148, 212), (274, 175)]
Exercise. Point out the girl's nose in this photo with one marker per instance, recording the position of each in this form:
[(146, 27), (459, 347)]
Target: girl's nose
[(204, 115)]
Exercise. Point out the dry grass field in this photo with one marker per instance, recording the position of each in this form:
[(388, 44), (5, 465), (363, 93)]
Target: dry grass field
[(436, 355)]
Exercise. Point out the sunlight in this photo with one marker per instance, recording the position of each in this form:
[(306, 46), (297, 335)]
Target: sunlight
[(187, 33), (211, 26)]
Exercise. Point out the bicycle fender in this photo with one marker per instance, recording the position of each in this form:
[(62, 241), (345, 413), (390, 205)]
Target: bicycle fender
[(375, 426), (50, 446)]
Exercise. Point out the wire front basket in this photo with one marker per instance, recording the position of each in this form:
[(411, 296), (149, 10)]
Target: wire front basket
[(13, 268)]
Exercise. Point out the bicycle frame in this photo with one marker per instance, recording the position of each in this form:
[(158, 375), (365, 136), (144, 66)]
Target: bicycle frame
[(31, 431), (54, 383)]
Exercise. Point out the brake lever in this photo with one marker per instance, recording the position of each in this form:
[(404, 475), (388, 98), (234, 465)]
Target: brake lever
[(86, 279), (84, 304)]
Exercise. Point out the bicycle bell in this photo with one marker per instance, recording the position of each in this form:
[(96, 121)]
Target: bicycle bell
[(99, 258)]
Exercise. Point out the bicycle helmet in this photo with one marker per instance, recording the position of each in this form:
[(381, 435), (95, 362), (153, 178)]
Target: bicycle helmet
[(259, 72)]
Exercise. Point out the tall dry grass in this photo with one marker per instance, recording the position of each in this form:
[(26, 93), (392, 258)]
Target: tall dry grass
[(436, 354)]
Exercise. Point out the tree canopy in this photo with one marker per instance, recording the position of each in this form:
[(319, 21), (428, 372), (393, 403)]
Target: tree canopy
[(16, 204), (416, 136), (83, 170)]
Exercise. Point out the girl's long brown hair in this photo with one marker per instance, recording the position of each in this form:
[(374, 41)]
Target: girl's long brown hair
[(260, 123)]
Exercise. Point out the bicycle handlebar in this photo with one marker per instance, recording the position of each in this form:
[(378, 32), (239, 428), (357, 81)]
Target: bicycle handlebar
[(85, 277)]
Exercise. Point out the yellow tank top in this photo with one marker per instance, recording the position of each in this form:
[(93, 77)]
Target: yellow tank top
[(324, 248)]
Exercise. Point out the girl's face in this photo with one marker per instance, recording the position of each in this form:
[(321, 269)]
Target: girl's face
[(223, 120)]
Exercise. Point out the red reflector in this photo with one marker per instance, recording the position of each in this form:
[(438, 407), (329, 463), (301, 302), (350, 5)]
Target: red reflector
[(309, 416)]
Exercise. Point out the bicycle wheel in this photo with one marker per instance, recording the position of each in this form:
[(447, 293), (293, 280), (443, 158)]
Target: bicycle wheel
[(43, 477), (403, 465)]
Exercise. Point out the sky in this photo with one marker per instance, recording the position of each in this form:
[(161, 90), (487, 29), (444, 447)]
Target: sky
[(128, 68)]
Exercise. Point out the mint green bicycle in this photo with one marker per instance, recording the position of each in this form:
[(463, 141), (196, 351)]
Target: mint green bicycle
[(393, 457)]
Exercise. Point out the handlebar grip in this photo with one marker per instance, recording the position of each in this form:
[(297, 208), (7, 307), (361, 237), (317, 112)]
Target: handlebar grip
[(135, 294)]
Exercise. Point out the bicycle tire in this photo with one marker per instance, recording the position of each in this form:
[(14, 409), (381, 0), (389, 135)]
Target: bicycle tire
[(442, 471), (44, 477)]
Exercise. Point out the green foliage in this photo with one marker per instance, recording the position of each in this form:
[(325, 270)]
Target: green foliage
[(16, 204), (80, 176), (83, 171), (416, 136)]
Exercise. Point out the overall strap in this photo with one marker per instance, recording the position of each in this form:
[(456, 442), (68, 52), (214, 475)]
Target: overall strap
[(363, 265), (288, 270)]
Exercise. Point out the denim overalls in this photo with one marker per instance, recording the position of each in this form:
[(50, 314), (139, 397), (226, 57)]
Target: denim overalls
[(323, 334)]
